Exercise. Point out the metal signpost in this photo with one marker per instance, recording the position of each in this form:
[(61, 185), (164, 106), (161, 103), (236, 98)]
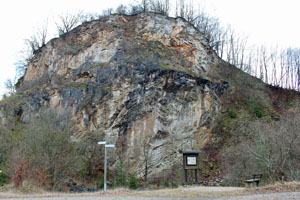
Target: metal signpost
[(105, 159)]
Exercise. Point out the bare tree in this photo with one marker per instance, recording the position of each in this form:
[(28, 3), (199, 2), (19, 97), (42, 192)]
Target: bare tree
[(42, 34), (282, 68), (264, 62), (297, 65), (272, 149), (25, 56), (147, 153), (91, 153), (38, 39), (67, 22), (31, 46), (187, 11), (248, 65), (46, 144), (160, 6), (274, 63), (10, 86), (107, 12), (122, 9), (142, 7), (287, 70), (87, 17)]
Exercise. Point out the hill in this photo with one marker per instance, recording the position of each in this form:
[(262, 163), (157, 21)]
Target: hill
[(149, 84)]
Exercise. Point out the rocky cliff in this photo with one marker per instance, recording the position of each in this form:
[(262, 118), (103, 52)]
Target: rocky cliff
[(148, 83)]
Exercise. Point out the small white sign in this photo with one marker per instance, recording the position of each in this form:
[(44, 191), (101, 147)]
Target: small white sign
[(191, 160), (102, 142), (110, 145)]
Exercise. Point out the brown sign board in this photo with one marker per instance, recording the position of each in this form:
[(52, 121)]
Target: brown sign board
[(191, 159)]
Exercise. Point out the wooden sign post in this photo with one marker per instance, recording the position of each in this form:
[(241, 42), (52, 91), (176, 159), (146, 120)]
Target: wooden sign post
[(191, 162)]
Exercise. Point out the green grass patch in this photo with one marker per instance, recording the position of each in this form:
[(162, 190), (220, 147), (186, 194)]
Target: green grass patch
[(255, 108), (97, 66), (78, 85), (171, 67)]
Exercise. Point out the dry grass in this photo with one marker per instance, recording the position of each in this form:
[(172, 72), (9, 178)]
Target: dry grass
[(278, 187), (197, 192), (193, 192), (30, 191)]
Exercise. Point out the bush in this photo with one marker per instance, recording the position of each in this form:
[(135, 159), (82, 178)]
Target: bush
[(121, 175), (258, 112), (232, 114), (100, 183), (4, 149), (133, 182), (43, 151), (91, 155), (166, 183), (3, 178), (175, 184), (254, 107)]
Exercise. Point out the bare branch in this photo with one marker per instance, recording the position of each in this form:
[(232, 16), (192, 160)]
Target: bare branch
[(67, 22)]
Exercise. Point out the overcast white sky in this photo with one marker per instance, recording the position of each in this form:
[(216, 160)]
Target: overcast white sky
[(263, 21)]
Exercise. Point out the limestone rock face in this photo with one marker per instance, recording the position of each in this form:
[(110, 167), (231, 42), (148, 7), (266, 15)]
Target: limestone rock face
[(142, 80)]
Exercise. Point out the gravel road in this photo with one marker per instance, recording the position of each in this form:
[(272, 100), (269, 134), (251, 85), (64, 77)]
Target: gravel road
[(99, 198), (273, 196)]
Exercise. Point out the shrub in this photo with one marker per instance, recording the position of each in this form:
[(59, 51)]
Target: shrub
[(121, 175), (175, 184), (166, 183), (46, 149), (133, 182), (3, 178), (258, 112), (232, 114), (90, 155), (100, 183), (4, 149), (254, 107)]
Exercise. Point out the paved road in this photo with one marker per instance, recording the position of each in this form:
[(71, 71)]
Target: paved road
[(273, 196)]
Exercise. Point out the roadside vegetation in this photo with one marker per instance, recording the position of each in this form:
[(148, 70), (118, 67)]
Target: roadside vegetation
[(42, 152), (270, 148)]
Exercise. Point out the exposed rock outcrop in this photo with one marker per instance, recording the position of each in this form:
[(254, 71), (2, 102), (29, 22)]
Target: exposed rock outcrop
[(143, 80)]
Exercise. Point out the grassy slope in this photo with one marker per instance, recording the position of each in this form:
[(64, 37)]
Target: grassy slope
[(248, 100)]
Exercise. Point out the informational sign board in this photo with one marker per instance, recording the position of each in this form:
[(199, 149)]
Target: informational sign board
[(191, 160)]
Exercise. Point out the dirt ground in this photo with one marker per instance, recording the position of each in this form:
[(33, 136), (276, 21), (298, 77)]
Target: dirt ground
[(190, 192)]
